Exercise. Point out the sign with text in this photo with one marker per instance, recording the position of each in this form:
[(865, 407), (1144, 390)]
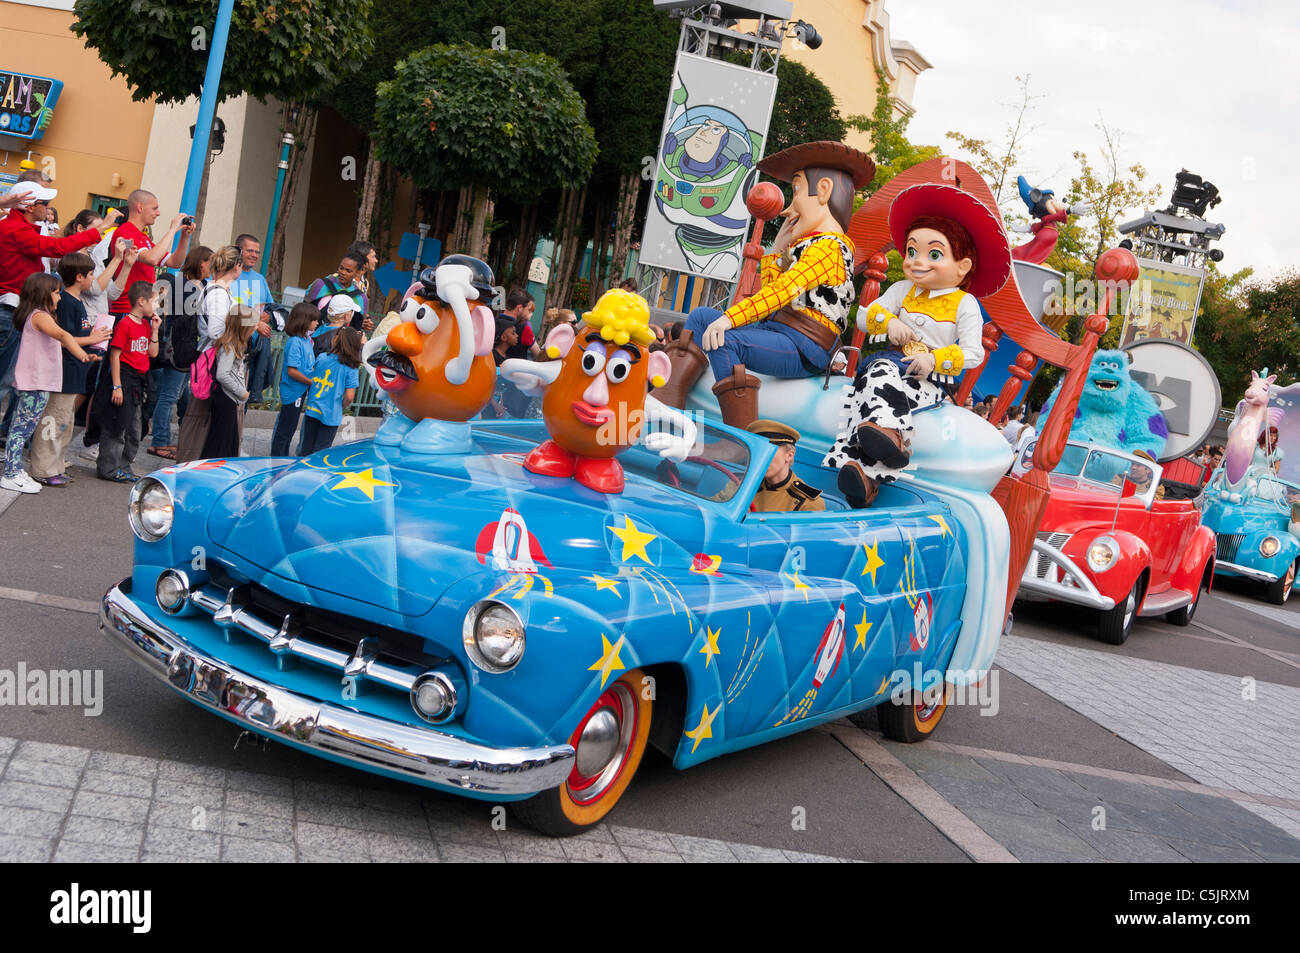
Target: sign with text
[(27, 104), (1164, 304)]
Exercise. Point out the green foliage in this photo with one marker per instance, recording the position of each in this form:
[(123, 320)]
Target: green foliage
[(290, 49), (1244, 327), (804, 110), (890, 147), (458, 116)]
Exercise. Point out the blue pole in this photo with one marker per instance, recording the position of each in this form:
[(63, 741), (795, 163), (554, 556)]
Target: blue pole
[(286, 143), (207, 108)]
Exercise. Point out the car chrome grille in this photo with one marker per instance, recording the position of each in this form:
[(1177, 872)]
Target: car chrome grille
[(291, 631), (1041, 563), (1227, 545)]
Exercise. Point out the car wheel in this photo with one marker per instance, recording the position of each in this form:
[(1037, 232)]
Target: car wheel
[(1184, 615), (1279, 592), (1115, 624), (609, 743), (916, 719)]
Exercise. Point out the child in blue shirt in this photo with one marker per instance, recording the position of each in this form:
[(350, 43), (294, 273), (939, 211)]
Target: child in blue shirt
[(334, 383), (295, 379)]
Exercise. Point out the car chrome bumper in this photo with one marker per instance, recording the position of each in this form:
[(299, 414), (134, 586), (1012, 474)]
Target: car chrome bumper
[(423, 754), (1257, 574), (1083, 593)]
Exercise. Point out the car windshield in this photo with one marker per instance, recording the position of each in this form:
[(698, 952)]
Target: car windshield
[(1103, 469), (1278, 493), (714, 469)]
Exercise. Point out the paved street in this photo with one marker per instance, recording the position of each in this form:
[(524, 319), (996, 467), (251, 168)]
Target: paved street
[(1183, 744)]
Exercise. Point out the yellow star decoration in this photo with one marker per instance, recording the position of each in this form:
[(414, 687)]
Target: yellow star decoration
[(705, 728), (609, 662), (363, 480), (710, 648), (884, 683), (862, 628), (943, 525), (603, 583), (874, 561), (634, 541), (799, 584)]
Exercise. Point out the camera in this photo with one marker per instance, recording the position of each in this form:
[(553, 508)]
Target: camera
[(188, 220)]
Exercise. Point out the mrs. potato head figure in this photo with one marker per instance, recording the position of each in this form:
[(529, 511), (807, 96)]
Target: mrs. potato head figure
[(595, 402)]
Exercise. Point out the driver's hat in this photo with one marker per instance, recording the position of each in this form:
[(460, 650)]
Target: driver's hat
[(783, 435)]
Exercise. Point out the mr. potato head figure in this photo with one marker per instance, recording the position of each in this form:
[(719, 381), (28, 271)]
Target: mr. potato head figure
[(436, 364), (595, 402)]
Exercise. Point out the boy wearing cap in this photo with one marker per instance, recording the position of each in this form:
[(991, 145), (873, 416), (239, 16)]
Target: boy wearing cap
[(954, 249), (791, 326), (338, 310), (781, 491)]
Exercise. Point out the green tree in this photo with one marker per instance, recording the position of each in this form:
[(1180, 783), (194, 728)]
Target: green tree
[(292, 50), (804, 110), (1245, 326), (458, 116), (289, 49)]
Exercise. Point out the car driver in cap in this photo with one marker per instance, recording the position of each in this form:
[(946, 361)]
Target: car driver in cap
[(781, 491)]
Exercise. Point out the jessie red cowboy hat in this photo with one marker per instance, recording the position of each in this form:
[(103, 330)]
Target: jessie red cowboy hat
[(992, 252), (829, 155)]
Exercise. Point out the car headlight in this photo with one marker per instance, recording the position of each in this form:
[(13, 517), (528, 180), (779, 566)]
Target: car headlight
[(493, 635), (1268, 546), (150, 509), (1101, 553)]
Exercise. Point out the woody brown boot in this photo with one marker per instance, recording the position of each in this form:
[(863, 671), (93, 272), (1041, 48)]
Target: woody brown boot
[(877, 444), (738, 398), (688, 363)]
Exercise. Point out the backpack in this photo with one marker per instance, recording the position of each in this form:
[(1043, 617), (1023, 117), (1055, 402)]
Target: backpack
[(322, 302), (201, 374), (183, 341), (323, 341)]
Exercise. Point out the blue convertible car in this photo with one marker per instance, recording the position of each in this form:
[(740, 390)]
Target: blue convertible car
[(1257, 527), (457, 621)]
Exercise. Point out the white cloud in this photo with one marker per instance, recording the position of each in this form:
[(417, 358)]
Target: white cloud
[(1209, 87)]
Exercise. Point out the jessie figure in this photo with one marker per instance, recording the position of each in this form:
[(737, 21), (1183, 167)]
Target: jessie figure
[(435, 365), (792, 324), (595, 403), (954, 251)]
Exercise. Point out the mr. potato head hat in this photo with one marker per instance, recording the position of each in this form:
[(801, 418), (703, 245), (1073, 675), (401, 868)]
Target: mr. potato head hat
[(992, 264)]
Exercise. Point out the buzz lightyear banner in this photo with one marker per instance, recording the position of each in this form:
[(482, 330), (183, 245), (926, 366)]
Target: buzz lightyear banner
[(713, 135), (1165, 305)]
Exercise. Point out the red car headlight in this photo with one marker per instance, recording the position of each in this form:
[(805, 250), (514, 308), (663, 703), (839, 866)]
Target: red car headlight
[(1102, 553)]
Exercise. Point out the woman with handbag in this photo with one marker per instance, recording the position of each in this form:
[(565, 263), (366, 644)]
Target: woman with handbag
[(214, 308)]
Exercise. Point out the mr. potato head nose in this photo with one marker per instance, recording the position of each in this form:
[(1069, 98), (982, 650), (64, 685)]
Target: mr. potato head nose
[(406, 339)]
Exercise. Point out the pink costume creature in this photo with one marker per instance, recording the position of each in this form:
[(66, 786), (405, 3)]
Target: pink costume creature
[(1253, 414)]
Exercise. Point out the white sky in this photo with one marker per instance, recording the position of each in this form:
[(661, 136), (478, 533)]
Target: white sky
[(1210, 87)]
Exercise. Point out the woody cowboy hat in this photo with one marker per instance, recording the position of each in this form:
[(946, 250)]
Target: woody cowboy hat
[(992, 251), (830, 155)]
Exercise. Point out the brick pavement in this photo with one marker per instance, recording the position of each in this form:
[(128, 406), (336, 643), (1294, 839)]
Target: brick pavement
[(65, 803)]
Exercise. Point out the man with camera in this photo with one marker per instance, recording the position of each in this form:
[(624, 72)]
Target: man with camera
[(142, 212)]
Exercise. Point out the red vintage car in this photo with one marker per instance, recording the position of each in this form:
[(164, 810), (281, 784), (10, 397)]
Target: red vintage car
[(1109, 543)]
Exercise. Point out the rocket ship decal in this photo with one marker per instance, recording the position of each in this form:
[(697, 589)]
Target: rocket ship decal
[(921, 614), (509, 544), (831, 649)]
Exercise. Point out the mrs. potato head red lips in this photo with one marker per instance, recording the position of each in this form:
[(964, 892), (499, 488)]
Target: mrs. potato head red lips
[(589, 415)]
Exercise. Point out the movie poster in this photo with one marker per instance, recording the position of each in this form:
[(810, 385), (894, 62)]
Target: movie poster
[(712, 138), (1164, 304)]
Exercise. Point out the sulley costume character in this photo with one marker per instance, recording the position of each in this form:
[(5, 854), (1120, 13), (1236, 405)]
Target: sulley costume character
[(1114, 411)]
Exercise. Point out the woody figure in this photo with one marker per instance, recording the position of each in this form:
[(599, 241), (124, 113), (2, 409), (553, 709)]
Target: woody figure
[(793, 324)]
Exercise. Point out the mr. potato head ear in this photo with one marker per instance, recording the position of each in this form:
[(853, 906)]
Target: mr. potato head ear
[(559, 341), (485, 330), (658, 368)]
